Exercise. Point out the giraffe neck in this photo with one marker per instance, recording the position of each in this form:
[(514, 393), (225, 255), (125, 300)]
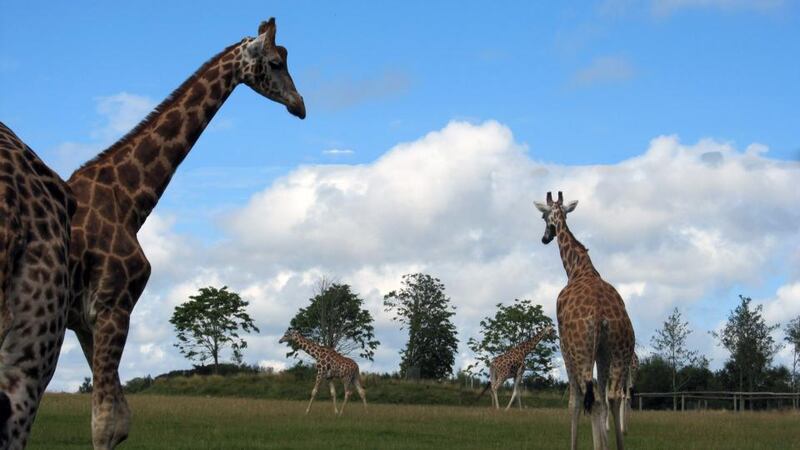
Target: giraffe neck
[(574, 255), (527, 346), (156, 146), (313, 349)]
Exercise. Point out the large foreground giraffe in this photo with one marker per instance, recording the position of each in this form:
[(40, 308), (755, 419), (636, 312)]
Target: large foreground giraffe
[(330, 365), (511, 364), (593, 327), (118, 189), (35, 209)]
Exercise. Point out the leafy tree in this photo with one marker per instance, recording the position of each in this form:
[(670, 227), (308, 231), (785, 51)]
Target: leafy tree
[(793, 338), (86, 386), (747, 337), (510, 326), (422, 307), (211, 321), (669, 343), (335, 318)]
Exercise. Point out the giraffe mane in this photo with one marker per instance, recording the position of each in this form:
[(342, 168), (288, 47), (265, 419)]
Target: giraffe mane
[(167, 103)]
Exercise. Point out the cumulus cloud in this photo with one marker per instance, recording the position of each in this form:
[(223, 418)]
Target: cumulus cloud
[(669, 227)]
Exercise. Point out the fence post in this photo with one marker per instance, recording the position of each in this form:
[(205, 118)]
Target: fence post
[(640, 403), (683, 400), (734, 403)]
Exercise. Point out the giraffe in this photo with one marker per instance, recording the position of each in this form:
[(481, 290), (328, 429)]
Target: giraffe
[(330, 365), (118, 189), (35, 210), (511, 364), (593, 327)]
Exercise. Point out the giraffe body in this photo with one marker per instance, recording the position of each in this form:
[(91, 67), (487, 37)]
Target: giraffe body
[(594, 329), (511, 364), (117, 190), (35, 209), (330, 366)]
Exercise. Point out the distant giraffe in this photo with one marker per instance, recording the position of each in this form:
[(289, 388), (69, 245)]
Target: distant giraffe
[(593, 328), (330, 365), (119, 188), (35, 210), (511, 364)]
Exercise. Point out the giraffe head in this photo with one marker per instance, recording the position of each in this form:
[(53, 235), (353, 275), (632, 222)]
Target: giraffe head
[(291, 335), (554, 212), (264, 68)]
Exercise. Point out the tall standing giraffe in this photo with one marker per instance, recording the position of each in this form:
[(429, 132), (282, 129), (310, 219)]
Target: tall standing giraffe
[(512, 364), (330, 365), (593, 327), (35, 210), (118, 189)]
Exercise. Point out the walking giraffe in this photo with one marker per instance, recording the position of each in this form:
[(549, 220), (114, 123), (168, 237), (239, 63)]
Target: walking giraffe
[(119, 188), (35, 210), (593, 327), (511, 364), (330, 365)]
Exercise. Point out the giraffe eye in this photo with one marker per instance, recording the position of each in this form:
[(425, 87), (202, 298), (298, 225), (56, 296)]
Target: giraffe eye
[(275, 64)]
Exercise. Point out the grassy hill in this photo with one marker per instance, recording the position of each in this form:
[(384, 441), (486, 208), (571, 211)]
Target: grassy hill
[(297, 386)]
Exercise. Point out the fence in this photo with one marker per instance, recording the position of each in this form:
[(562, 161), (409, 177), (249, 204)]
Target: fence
[(736, 399)]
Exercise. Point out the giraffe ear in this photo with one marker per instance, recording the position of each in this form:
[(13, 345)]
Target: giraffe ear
[(571, 207), (541, 207)]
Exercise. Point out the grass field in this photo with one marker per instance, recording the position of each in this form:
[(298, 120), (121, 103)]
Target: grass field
[(231, 423)]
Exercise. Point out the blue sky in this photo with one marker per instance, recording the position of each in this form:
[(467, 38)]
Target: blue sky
[(584, 85)]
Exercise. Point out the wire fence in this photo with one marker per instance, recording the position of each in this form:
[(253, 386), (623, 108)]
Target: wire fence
[(737, 401)]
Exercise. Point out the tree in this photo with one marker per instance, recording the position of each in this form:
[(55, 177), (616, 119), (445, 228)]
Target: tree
[(793, 338), (510, 326), (335, 319), (747, 337), (86, 386), (422, 307), (669, 343), (211, 321)]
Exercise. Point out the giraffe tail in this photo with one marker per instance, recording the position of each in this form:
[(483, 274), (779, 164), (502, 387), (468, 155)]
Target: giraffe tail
[(588, 398), (485, 388)]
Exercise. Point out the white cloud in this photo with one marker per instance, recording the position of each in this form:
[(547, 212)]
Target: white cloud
[(669, 228), (338, 152), (604, 70), (118, 113)]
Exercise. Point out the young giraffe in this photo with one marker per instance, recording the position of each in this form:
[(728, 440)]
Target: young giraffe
[(593, 327), (511, 364), (35, 209), (118, 189), (330, 365)]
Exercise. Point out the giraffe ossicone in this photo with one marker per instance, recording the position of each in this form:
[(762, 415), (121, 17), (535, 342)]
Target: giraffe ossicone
[(331, 365), (116, 192), (593, 327)]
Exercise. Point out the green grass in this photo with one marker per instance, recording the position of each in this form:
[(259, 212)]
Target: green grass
[(235, 423)]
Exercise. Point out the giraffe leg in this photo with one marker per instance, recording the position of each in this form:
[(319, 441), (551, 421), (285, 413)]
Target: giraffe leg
[(110, 413), (495, 400), (361, 392), (519, 394), (513, 392), (314, 391), (348, 389), (575, 407), (333, 396)]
